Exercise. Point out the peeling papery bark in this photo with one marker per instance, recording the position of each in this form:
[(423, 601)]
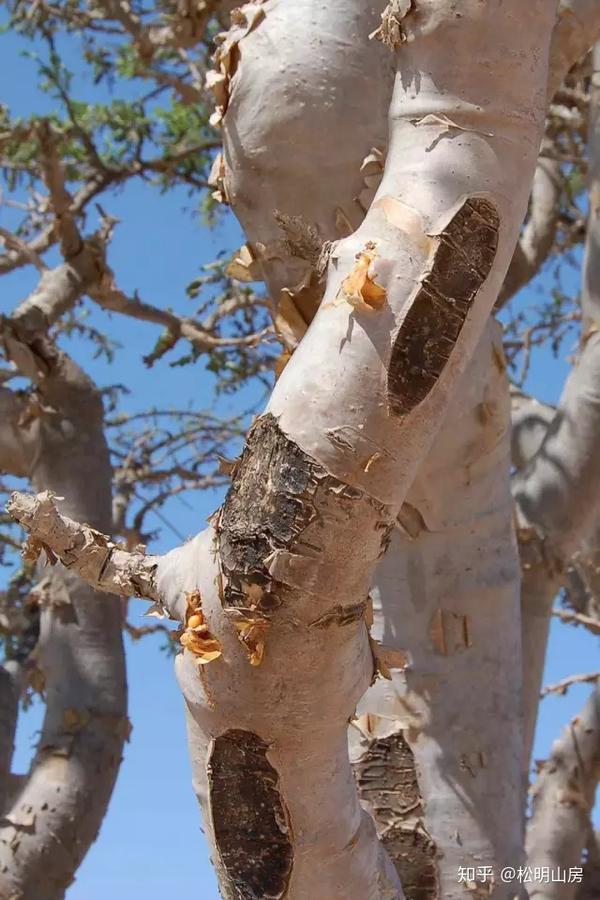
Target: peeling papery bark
[(296, 102), (289, 188), (287, 512), (446, 617), (54, 816), (101, 562), (563, 797)]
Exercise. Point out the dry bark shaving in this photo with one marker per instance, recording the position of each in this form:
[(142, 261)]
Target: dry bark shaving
[(244, 788), (387, 781), (460, 264)]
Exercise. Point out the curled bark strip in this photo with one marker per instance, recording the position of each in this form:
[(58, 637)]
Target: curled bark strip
[(459, 265), (391, 31), (101, 562), (249, 817), (243, 20)]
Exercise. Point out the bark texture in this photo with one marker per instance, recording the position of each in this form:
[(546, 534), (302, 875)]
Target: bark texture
[(277, 140)]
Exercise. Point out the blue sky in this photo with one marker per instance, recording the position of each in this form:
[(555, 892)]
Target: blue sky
[(151, 845)]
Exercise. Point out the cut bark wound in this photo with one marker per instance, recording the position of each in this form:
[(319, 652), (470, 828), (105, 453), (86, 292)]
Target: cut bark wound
[(274, 498), (387, 781), (244, 788), (265, 510), (459, 265)]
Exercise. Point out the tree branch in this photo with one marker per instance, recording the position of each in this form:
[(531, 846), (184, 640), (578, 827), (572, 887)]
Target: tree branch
[(563, 796), (10, 689), (529, 421), (109, 297), (48, 237), (563, 686), (185, 27), (576, 31), (537, 238), (103, 564), (573, 618)]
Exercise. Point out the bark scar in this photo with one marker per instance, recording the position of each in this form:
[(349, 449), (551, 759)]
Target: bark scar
[(458, 266), (250, 820), (386, 777)]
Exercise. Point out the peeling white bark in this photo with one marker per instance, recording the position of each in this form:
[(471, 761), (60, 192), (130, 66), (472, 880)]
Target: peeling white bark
[(288, 187), (306, 72), (102, 563)]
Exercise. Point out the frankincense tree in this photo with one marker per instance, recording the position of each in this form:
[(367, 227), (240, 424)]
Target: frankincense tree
[(363, 637)]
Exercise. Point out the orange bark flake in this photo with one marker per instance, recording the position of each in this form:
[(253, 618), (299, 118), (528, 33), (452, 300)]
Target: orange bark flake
[(196, 636), (359, 287), (252, 633)]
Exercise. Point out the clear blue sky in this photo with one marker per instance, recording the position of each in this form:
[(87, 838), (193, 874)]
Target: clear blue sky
[(151, 845)]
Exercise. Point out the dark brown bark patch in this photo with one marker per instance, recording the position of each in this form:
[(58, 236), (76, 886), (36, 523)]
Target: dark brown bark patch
[(249, 817), (414, 855), (266, 508), (278, 515), (387, 781), (274, 496), (460, 264)]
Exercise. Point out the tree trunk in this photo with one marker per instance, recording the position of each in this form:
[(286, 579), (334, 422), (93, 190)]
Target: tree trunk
[(557, 490), (448, 593), (563, 797), (49, 825)]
